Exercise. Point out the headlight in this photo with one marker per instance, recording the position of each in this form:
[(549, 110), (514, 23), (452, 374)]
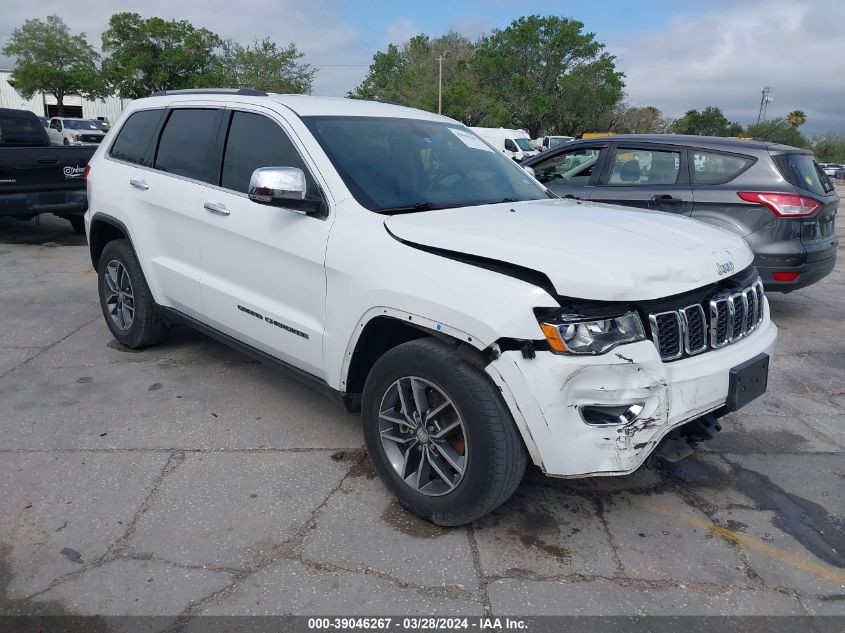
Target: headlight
[(577, 335), (74, 137)]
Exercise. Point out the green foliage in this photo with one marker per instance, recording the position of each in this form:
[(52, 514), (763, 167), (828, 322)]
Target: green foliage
[(539, 73), (51, 60), (152, 54), (710, 121), (263, 65), (777, 131), (640, 120), (547, 73), (829, 147), (796, 118)]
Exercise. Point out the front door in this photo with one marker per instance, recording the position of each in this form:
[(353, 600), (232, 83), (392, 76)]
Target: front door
[(572, 173), (263, 279), (648, 177)]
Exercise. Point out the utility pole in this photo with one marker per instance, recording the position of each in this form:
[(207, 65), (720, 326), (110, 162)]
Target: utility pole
[(765, 100), (440, 81)]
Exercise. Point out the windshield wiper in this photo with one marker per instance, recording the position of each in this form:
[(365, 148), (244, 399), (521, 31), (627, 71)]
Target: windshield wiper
[(417, 206)]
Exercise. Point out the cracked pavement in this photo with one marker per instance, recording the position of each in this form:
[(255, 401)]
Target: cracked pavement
[(192, 480)]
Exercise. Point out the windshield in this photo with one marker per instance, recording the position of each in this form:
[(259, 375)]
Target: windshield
[(405, 165), (79, 124), (556, 141), (524, 144)]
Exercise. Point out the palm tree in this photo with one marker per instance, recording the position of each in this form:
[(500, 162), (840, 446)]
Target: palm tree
[(796, 118)]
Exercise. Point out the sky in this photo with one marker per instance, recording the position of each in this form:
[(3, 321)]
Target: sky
[(676, 55)]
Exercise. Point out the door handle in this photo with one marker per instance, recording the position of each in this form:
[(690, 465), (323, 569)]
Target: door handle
[(47, 160), (666, 199), (216, 207), (139, 184)]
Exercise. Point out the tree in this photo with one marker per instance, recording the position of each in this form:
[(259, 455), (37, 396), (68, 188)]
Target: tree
[(777, 131), (545, 72), (709, 122), (49, 59), (829, 147), (796, 118), (640, 120), (263, 65), (155, 54)]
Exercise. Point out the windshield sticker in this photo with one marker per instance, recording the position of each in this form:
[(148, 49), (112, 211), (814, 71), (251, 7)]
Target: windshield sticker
[(470, 140)]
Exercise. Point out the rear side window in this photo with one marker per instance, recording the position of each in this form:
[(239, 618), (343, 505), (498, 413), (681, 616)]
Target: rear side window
[(17, 131), (255, 141), (133, 139), (802, 171), (644, 167), (184, 147), (710, 168)]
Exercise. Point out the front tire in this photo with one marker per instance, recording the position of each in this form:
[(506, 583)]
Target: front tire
[(439, 434), (125, 298)]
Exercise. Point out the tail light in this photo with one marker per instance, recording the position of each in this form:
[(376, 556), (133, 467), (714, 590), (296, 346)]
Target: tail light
[(784, 205), (786, 276), (87, 171)]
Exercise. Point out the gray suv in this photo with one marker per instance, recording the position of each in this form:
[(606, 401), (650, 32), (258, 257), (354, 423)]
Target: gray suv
[(775, 196)]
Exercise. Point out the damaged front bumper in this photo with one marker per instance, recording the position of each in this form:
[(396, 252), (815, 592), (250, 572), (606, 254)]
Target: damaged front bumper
[(549, 395)]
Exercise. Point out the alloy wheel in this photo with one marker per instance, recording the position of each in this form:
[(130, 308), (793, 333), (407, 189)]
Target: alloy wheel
[(423, 436), (120, 298)]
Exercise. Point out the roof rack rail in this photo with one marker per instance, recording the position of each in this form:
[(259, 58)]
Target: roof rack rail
[(244, 92)]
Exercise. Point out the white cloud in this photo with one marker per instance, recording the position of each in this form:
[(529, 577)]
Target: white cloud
[(725, 54), (400, 32)]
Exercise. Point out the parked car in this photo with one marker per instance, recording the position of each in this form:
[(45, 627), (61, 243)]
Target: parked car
[(393, 258), (75, 132), (830, 168), (775, 196), (101, 124), (840, 173), (546, 143), (513, 143), (36, 177)]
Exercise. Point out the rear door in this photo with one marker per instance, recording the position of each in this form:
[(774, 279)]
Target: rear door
[(167, 156), (648, 176), (570, 173)]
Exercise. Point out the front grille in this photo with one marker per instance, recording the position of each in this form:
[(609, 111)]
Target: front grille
[(90, 138), (722, 319)]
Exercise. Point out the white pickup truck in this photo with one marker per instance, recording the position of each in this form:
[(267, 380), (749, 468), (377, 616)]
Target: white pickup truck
[(396, 259)]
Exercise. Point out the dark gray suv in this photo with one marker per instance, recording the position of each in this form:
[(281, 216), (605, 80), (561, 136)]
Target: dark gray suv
[(775, 196)]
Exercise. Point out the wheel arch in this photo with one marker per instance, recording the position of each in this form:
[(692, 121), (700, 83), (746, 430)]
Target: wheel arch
[(382, 329), (104, 229)]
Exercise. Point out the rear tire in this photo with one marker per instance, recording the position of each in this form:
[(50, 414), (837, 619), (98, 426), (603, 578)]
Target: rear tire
[(452, 478), (125, 298), (77, 222)]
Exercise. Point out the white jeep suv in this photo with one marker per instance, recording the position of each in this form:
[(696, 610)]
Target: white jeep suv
[(396, 259)]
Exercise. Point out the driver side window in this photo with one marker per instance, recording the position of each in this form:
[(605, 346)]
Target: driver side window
[(574, 167)]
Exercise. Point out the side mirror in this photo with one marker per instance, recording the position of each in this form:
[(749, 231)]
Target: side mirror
[(283, 187), (529, 171)]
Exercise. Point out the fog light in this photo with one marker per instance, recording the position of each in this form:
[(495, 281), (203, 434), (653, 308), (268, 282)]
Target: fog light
[(604, 415)]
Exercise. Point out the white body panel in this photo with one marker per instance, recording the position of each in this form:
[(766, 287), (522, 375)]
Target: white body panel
[(328, 277)]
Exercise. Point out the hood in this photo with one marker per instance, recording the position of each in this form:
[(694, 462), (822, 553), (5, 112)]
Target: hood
[(587, 250)]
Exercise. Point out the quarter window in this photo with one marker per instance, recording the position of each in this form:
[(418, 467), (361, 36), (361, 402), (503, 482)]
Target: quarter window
[(185, 143), (644, 167), (568, 168), (133, 139), (255, 141), (713, 167)]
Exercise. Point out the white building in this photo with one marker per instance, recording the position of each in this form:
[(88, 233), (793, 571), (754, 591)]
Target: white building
[(45, 104)]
